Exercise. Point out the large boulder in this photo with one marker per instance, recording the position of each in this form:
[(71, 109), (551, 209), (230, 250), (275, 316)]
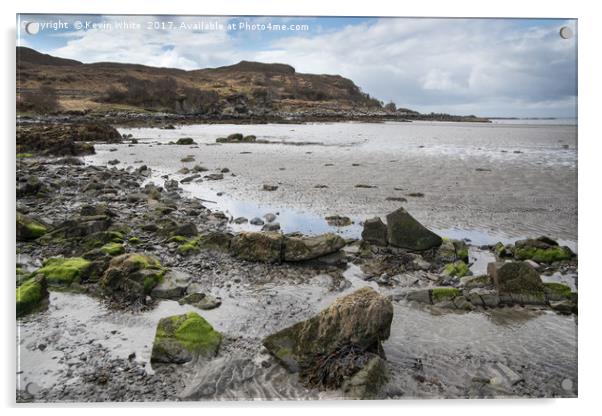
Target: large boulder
[(361, 319), (31, 295), (307, 248), (515, 277), (264, 247), (404, 231), (132, 276), (29, 229), (375, 232), (182, 338)]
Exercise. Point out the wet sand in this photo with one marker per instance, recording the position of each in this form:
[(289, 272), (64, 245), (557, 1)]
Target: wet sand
[(506, 181)]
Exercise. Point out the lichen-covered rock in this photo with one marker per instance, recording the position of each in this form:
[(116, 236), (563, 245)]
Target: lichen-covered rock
[(29, 229), (31, 295), (308, 248), (541, 250), (404, 231), (515, 277), (362, 318), (62, 272), (182, 338), (375, 232), (132, 276), (264, 247)]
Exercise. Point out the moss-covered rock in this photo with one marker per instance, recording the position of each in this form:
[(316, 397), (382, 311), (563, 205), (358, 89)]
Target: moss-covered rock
[(362, 318), (440, 294), (131, 276), (62, 272), (31, 295), (113, 249), (100, 239), (263, 247), (182, 338), (29, 229), (457, 269), (557, 292), (308, 248), (543, 255)]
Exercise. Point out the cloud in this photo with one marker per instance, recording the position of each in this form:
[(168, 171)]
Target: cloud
[(480, 66)]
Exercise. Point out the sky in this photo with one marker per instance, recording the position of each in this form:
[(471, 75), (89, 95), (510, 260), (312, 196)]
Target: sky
[(486, 67)]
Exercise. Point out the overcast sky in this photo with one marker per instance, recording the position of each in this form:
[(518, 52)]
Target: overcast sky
[(487, 67)]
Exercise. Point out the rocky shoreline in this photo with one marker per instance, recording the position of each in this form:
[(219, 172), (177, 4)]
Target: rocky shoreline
[(130, 241)]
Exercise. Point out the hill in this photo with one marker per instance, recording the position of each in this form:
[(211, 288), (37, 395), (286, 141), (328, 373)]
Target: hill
[(246, 88)]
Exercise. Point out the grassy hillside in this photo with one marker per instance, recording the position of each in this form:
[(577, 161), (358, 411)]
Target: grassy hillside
[(251, 88)]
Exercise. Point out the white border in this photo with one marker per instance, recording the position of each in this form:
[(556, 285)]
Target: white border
[(590, 157)]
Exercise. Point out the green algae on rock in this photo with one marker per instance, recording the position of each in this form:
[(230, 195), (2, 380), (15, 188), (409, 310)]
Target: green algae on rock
[(182, 338), (61, 271), (131, 276), (541, 250), (440, 294), (31, 295), (457, 269), (113, 249), (29, 229)]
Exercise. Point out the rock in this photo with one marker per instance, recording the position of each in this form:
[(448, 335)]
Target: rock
[(131, 277), (365, 186), (256, 221), (338, 221), (114, 162), (375, 232), (185, 141), (172, 286), (112, 249), (62, 272), (31, 186), (270, 187), (187, 159), (420, 295), (361, 319), (236, 138), (240, 220), (171, 185), (444, 294), (263, 247), (484, 297), (366, 383), (557, 291), (273, 226), (457, 269), (541, 250), (190, 178), (515, 277), (214, 176), (29, 229), (186, 230), (201, 301), (182, 338), (82, 226), (270, 217), (199, 168), (307, 248), (404, 231), (31, 295), (565, 306)]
